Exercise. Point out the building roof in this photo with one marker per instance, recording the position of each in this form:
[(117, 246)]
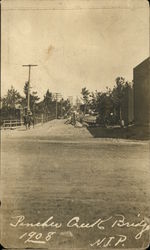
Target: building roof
[(146, 61)]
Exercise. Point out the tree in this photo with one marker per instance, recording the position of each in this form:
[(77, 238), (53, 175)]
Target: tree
[(118, 95), (93, 100), (33, 98), (104, 106), (66, 106), (25, 89), (48, 103), (9, 104), (85, 97), (12, 98)]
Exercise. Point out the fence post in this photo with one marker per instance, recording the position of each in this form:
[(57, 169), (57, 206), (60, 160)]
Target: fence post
[(42, 119), (4, 124)]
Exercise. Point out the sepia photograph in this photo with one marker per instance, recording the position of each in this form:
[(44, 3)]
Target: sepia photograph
[(75, 125)]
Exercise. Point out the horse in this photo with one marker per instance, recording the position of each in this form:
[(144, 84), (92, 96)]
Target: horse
[(28, 119)]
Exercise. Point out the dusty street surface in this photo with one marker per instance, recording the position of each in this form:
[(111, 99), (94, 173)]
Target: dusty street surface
[(61, 171)]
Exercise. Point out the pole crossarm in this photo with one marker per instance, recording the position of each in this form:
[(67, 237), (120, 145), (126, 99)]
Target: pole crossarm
[(27, 65)]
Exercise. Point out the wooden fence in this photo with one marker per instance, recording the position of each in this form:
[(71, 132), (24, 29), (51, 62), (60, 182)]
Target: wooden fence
[(13, 124)]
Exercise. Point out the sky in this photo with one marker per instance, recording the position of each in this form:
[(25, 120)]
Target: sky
[(75, 44)]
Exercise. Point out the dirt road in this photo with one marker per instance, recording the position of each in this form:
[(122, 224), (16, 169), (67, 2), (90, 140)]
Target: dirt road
[(61, 171)]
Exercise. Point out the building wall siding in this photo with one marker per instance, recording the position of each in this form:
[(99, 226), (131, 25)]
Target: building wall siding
[(142, 93)]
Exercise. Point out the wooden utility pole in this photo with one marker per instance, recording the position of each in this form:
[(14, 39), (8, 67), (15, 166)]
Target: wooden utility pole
[(29, 65), (56, 107), (61, 107), (56, 96)]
